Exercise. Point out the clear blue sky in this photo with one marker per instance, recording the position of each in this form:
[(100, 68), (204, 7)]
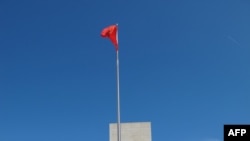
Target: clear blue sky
[(184, 66)]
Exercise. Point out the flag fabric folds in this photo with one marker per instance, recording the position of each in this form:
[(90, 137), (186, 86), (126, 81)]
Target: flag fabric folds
[(111, 32)]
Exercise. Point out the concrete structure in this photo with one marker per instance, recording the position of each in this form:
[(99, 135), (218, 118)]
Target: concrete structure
[(135, 131)]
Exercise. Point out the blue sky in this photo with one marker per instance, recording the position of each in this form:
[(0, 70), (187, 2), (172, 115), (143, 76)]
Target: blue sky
[(184, 66)]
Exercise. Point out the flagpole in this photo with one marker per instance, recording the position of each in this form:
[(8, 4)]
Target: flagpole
[(110, 32), (118, 92), (118, 98)]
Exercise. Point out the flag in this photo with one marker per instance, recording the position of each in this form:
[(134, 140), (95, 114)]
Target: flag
[(111, 32)]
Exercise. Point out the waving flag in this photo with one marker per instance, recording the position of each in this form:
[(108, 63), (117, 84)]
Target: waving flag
[(111, 32)]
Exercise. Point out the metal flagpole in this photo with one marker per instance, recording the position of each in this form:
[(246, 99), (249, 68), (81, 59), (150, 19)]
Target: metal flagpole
[(118, 98), (118, 93)]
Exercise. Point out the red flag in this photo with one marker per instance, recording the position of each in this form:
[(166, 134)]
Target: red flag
[(111, 32)]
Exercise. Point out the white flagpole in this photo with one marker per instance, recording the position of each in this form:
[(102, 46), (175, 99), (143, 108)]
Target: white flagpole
[(118, 93), (118, 98)]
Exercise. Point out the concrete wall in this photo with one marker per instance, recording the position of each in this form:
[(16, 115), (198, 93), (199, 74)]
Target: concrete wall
[(135, 131)]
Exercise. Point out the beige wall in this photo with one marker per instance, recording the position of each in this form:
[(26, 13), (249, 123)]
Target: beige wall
[(134, 131)]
